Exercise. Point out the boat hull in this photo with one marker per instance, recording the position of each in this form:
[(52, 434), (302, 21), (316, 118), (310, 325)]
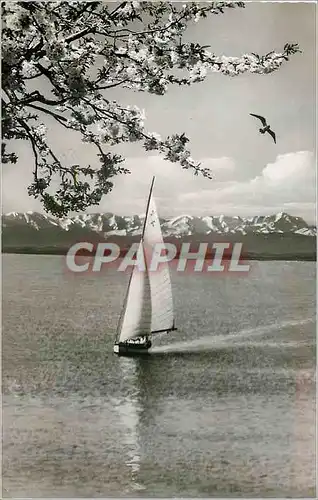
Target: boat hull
[(125, 349)]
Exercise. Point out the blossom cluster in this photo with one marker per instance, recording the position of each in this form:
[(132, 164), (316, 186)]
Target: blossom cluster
[(83, 49)]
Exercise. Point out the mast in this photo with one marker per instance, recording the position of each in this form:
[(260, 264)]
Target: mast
[(148, 202), (145, 222)]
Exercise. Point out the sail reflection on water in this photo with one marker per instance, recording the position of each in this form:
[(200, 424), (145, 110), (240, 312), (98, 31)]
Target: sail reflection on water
[(137, 413), (128, 409)]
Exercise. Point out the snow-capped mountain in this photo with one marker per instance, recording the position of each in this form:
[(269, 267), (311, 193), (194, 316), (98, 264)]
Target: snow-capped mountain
[(108, 224)]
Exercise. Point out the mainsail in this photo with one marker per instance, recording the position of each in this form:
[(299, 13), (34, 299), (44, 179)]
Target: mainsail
[(148, 306), (160, 283)]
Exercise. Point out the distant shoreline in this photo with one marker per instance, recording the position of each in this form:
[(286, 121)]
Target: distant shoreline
[(244, 257)]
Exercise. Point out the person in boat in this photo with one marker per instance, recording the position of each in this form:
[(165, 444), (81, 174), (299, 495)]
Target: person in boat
[(140, 340)]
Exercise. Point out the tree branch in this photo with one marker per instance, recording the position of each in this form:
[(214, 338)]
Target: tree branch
[(33, 144), (48, 112)]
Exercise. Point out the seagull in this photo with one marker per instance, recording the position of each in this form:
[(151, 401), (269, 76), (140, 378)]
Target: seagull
[(266, 128)]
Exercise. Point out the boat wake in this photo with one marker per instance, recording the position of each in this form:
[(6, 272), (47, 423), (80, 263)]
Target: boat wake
[(234, 339)]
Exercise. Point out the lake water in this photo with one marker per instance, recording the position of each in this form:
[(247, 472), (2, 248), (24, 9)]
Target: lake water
[(225, 406)]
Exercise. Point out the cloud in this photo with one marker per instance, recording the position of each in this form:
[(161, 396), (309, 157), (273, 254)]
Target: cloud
[(130, 192), (287, 184), (290, 168)]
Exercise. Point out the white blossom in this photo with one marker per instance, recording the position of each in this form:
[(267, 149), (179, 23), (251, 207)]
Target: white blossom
[(28, 69)]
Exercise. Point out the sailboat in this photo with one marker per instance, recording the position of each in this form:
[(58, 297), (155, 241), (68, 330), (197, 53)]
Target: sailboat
[(148, 305)]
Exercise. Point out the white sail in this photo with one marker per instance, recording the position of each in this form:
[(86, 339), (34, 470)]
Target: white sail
[(136, 320), (160, 283)]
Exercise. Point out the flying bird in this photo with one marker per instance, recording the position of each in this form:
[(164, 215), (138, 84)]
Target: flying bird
[(265, 128)]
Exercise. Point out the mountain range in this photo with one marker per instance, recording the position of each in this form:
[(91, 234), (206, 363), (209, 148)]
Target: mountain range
[(280, 235)]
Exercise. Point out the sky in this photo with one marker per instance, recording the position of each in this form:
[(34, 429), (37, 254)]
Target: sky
[(251, 174)]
